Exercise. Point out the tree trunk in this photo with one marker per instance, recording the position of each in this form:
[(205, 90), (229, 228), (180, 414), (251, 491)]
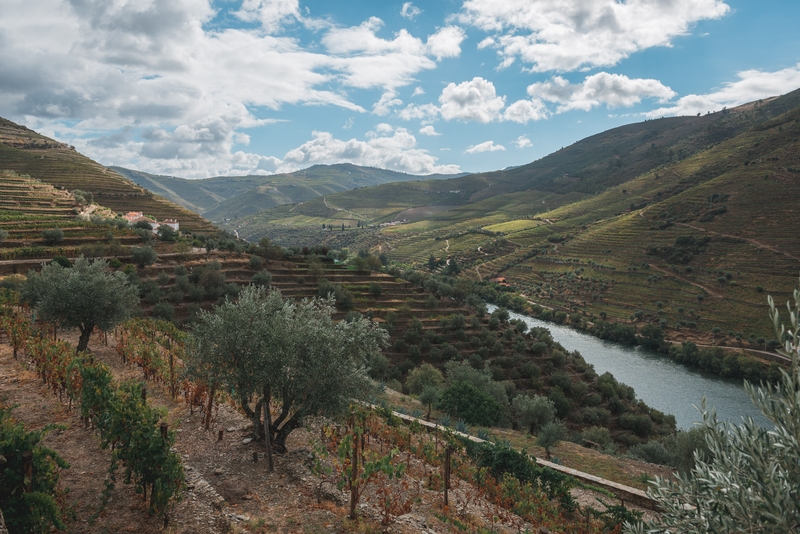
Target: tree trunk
[(280, 436), (253, 415), (268, 426), (207, 415), (83, 341)]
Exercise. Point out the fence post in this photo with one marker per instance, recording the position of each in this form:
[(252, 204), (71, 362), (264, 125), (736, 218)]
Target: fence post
[(27, 471), (446, 473)]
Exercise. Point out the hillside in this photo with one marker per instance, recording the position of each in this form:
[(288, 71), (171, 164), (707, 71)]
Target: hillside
[(26, 152), (663, 221), (230, 197), (573, 173)]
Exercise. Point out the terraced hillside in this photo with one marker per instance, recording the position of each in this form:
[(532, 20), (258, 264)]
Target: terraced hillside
[(28, 208), (684, 222), (422, 327), (26, 152)]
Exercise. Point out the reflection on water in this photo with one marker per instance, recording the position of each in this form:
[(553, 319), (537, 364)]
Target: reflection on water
[(660, 382)]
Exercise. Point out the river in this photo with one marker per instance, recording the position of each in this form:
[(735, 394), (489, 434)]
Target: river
[(660, 382)]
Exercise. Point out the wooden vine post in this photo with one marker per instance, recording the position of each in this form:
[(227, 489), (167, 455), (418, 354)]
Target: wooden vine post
[(446, 473), (267, 437), (354, 476)]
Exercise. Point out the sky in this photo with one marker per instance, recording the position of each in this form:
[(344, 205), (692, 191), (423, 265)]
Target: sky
[(201, 88)]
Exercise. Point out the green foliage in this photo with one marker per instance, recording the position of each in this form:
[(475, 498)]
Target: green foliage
[(84, 297), (53, 236), (84, 198), (465, 401), (262, 278), (263, 347), (3, 235), (422, 377), (126, 421), (255, 262), (560, 402), (551, 435), (62, 261), (653, 452), (143, 256), (167, 233), (531, 413), (502, 459), (748, 482), (37, 511)]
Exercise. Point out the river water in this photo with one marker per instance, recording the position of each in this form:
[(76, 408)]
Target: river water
[(660, 382)]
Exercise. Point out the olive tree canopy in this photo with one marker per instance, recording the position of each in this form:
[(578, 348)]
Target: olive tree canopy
[(85, 296), (262, 348)]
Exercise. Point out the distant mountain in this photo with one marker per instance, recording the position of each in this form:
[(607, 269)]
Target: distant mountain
[(231, 197)]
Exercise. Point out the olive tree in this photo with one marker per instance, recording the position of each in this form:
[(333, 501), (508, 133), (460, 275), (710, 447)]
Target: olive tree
[(747, 480), (531, 413), (264, 349), (85, 296)]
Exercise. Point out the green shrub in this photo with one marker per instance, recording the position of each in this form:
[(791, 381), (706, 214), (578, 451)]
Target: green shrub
[(53, 236), (560, 402), (163, 310), (62, 261), (261, 278), (641, 425), (465, 401), (37, 511), (256, 263), (652, 452)]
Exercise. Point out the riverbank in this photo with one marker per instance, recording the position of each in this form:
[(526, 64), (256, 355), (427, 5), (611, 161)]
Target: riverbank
[(658, 380)]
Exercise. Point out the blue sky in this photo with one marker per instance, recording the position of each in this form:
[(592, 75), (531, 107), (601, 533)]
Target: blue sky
[(199, 88)]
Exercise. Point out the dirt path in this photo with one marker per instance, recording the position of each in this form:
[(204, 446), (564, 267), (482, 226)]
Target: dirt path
[(682, 279), (752, 241), (447, 246), (772, 355)]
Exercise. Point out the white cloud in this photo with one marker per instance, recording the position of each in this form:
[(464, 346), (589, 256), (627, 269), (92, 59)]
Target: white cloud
[(348, 124), (612, 90), (418, 91), (396, 151), (751, 85), (418, 111), (387, 101), (159, 83), (475, 100), (446, 42), (522, 141), (429, 130), (486, 146), (270, 13), (523, 111), (368, 61), (410, 11), (566, 35)]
